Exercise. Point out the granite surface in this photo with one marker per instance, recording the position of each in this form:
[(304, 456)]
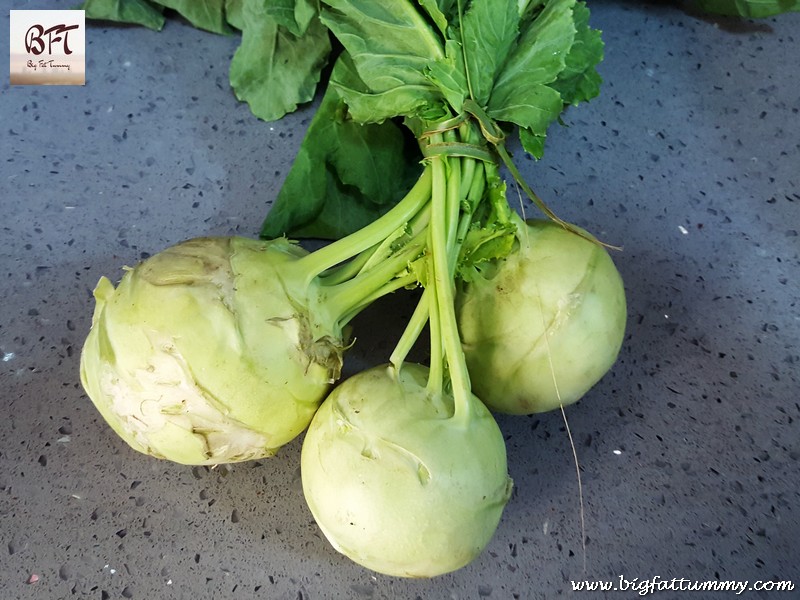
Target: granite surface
[(689, 449)]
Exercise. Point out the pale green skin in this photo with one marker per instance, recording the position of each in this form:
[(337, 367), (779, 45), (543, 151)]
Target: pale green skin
[(397, 484), (545, 325), (205, 353)]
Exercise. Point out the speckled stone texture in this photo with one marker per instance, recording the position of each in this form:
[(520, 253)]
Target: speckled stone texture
[(689, 449)]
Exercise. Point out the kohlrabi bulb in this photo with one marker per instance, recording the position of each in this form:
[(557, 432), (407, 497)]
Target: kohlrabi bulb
[(543, 325), (210, 351), (395, 482)]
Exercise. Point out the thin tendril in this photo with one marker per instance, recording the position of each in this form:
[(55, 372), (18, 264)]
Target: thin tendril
[(569, 436)]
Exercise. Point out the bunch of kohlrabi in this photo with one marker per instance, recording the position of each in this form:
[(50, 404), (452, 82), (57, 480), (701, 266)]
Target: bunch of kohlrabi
[(219, 350)]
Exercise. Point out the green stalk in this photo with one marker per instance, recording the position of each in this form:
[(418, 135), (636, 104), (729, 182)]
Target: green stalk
[(346, 248), (388, 246), (457, 186), (436, 373), (412, 331), (469, 166), (473, 196), (377, 253), (442, 285), (452, 204), (349, 269), (342, 299), (403, 281)]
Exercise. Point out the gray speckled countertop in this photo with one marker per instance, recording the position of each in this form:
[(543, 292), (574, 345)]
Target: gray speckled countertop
[(689, 448)]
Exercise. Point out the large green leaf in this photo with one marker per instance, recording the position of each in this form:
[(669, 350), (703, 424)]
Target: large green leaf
[(440, 12), (345, 175), (450, 76), (294, 15), (369, 106), (541, 51), (205, 14), (273, 70), (525, 92), (531, 105), (234, 13), (138, 12), (390, 42), (580, 81), (488, 31)]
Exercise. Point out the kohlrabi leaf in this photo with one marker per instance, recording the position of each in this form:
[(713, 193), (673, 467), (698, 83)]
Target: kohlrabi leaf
[(234, 13), (273, 70), (488, 31), (532, 143), (344, 176), (525, 93), (483, 245), (138, 12), (530, 105), (390, 44), (751, 9), (294, 15), (439, 11), (580, 81), (368, 106), (449, 75), (540, 54), (205, 14)]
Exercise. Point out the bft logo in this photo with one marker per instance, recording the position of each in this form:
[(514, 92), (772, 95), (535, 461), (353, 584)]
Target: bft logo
[(48, 47), (35, 38)]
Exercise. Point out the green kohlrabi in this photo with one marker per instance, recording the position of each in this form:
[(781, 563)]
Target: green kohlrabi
[(220, 350), (544, 324), (205, 353), (397, 483)]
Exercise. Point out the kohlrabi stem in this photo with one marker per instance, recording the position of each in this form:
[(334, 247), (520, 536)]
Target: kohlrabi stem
[(407, 243), (388, 246), (436, 372), (342, 299), (390, 286), (453, 205), (470, 135), (473, 196), (349, 269), (468, 166), (377, 253), (341, 250), (442, 282), (460, 207), (412, 331)]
